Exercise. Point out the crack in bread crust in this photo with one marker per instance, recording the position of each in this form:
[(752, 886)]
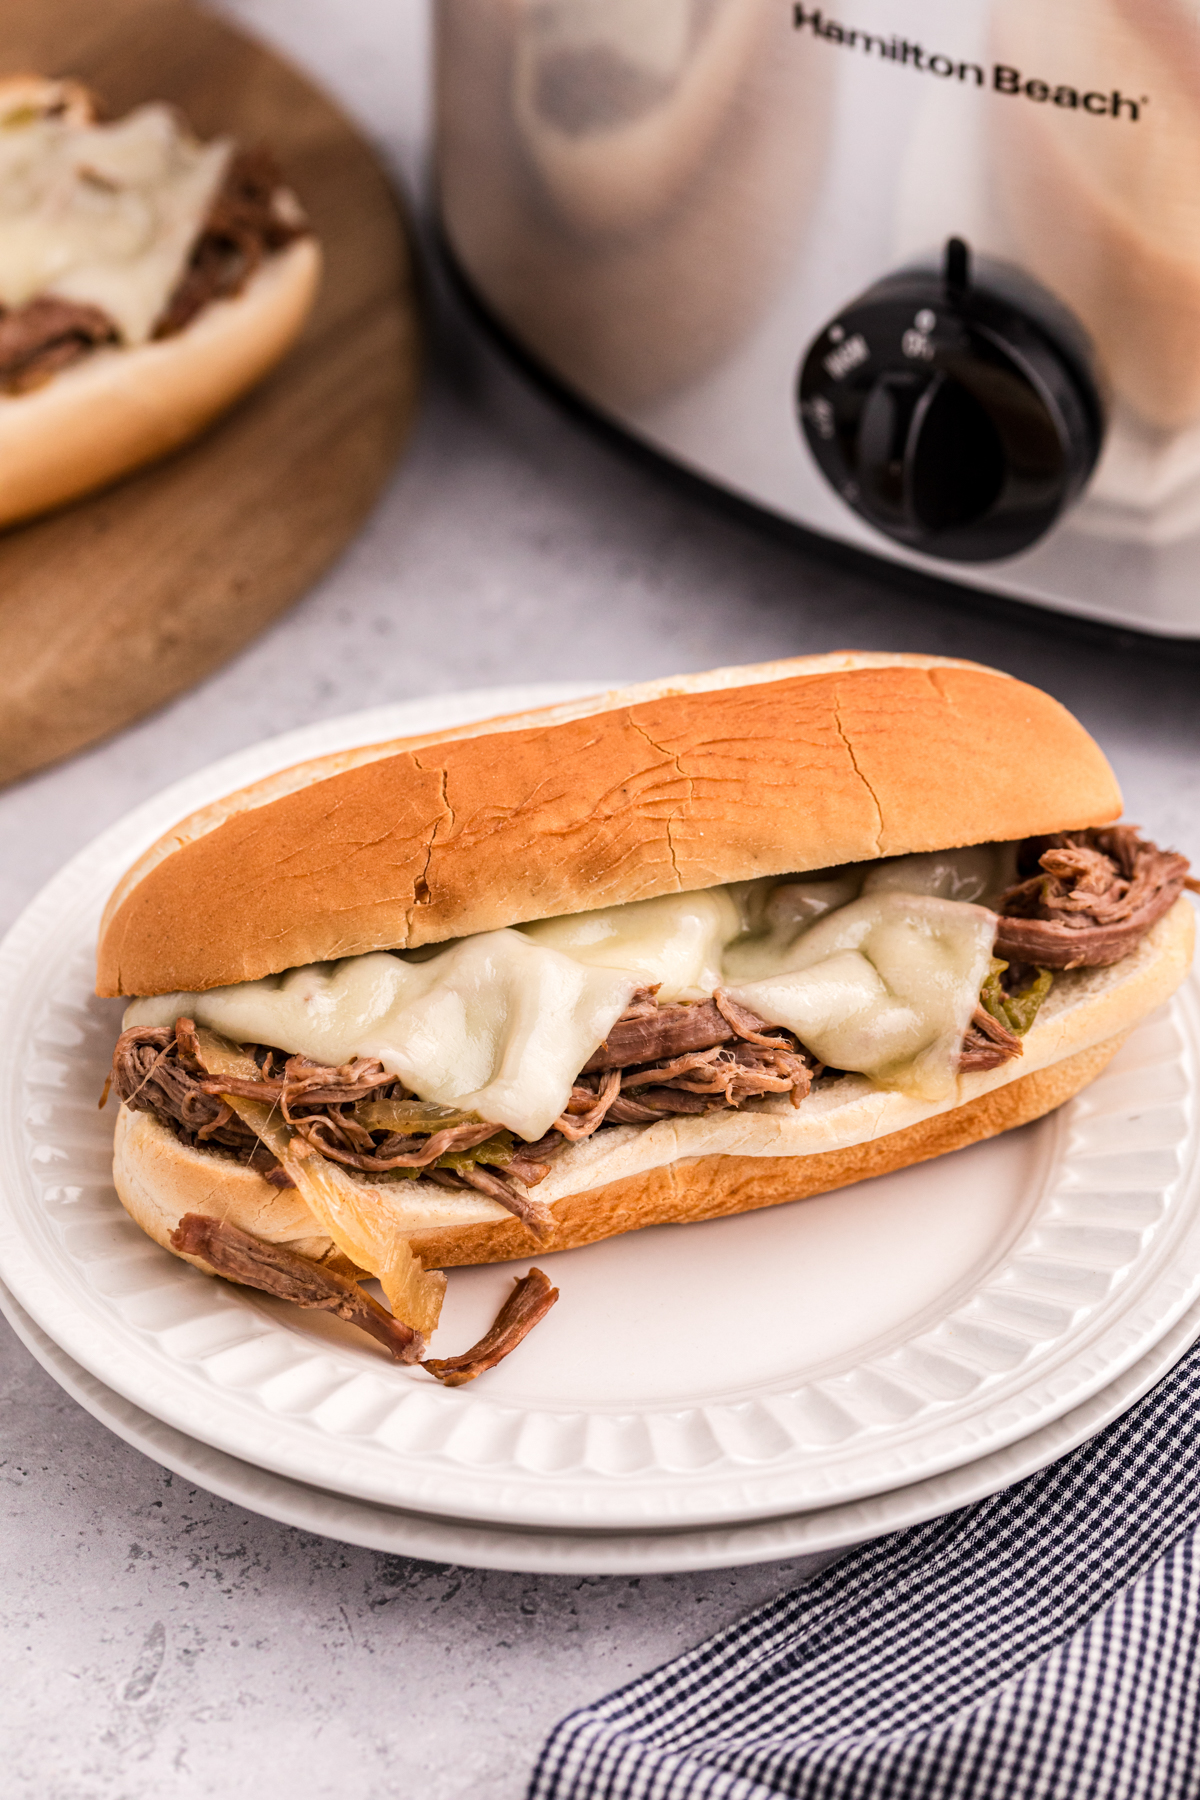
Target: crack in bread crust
[(841, 731), (559, 815)]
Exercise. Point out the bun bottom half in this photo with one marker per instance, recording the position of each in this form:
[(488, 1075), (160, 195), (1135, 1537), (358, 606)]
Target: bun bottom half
[(683, 1171), (712, 1187)]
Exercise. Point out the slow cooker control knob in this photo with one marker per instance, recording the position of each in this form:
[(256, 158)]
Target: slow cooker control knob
[(958, 417)]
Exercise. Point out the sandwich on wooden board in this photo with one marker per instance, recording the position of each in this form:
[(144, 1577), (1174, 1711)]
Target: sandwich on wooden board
[(147, 280)]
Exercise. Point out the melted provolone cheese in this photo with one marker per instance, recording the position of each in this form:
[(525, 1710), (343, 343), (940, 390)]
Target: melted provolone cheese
[(979, 873), (492, 1024), (775, 913), (876, 968), (106, 214), (676, 941), (885, 986)]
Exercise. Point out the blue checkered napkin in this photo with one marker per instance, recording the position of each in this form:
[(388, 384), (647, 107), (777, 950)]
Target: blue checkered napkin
[(1040, 1645)]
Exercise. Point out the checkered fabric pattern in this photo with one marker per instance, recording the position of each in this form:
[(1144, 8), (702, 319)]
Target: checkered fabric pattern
[(1040, 1645)]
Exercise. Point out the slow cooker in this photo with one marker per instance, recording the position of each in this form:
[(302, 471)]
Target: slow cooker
[(922, 276)]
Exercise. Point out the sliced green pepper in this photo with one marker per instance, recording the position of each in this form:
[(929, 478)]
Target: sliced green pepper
[(497, 1150), (1015, 1010), (424, 1117)]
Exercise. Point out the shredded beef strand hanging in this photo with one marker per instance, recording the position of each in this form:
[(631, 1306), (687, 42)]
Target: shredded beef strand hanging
[(529, 1302), (275, 1270), (272, 1269), (745, 1024), (532, 1213)]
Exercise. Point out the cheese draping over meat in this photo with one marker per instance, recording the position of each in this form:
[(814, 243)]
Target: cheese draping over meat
[(886, 986), (979, 873), (876, 969), (676, 941), (493, 1024), (104, 214)]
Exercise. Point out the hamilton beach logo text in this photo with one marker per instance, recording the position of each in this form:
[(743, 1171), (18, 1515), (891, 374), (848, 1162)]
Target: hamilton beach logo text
[(1003, 78)]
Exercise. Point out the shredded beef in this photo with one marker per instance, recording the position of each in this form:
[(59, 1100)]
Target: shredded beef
[(588, 1106), (491, 1183), (475, 1177), (987, 1043), (745, 1024), (652, 1034), (157, 1070), (1087, 898), (678, 1059), (531, 1169), (45, 335), (651, 1104), (526, 1306), (275, 1270), (328, 1133), (249, 219), (742, 1072), (150, 1073)]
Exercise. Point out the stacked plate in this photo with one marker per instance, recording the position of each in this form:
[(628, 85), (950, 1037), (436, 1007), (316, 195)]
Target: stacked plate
[(789, 1381)]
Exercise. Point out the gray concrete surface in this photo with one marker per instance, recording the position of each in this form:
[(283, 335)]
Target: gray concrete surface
[(158, 1640)]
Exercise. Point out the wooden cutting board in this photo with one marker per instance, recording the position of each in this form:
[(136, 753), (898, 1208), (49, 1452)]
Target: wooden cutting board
[(116, 604)]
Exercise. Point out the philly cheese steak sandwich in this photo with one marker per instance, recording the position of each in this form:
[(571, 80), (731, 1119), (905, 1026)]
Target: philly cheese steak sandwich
[(146, 281), (679, 951)]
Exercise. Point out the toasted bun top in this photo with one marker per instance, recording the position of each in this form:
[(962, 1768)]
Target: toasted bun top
[(656, 789), (47, 95)]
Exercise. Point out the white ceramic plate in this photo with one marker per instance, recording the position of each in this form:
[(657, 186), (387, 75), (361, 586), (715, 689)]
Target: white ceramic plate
[(792, 1359), (593, 1553)]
